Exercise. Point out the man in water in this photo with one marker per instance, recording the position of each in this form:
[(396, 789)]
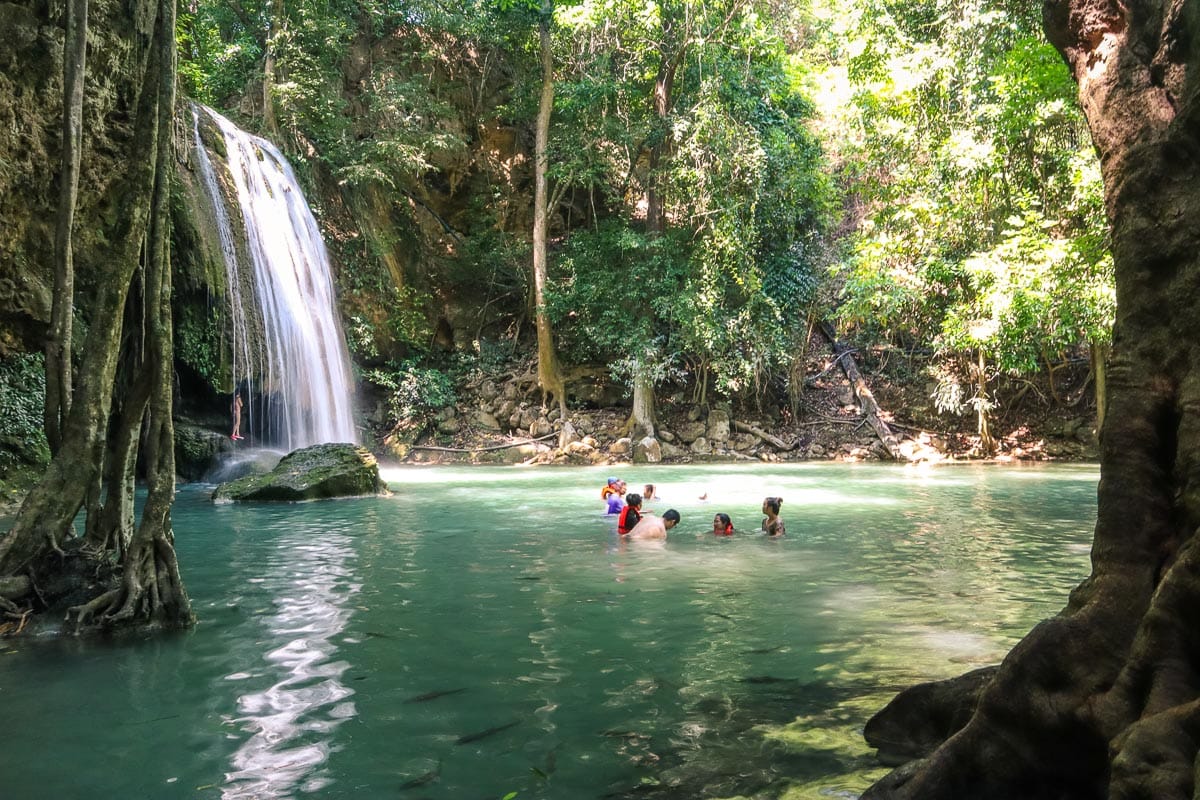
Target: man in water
[(655, 527)]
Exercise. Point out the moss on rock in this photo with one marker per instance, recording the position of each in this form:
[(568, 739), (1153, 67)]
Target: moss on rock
[(312, 473)]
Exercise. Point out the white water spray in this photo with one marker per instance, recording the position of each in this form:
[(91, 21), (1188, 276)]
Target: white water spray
[(289, 355)]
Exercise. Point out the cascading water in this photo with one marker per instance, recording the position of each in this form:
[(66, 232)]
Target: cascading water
[(289, 356)]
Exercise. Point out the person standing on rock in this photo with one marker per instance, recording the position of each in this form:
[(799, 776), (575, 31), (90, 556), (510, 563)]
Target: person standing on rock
[(236, 410)]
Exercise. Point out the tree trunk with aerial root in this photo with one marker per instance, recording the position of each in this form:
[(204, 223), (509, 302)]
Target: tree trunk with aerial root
[(1103, 700), (127, 355)]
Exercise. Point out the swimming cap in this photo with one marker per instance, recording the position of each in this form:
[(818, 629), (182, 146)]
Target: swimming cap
[(611, 481)]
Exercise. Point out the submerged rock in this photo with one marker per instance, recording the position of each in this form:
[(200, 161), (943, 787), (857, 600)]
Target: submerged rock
[(312, 473)]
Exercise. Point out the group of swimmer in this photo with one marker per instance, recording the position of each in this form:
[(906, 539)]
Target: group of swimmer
[(636, 524)]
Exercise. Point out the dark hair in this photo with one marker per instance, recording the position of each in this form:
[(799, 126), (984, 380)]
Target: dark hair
[(649, 489), (633, 499), (774, 503), (726, 521), (670, 515)]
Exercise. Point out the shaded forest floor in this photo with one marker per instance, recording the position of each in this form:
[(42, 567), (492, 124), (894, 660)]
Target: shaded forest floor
[(500, 419)]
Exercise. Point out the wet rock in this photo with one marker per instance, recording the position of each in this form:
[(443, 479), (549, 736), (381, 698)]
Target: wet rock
[(197, 449), (312, 473), (701, 446)]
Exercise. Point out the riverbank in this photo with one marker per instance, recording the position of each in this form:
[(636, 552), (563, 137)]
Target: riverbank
[(500, 419)]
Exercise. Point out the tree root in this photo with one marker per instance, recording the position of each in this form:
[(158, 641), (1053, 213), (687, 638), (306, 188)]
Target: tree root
[(16, 623)]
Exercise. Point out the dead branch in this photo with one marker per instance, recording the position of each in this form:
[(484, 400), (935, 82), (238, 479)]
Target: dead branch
[(866, 400)]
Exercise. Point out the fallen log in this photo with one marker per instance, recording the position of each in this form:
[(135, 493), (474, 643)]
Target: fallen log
[(774, 441), (866, 400)]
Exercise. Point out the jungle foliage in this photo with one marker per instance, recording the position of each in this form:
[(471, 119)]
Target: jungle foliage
[(942, 196)]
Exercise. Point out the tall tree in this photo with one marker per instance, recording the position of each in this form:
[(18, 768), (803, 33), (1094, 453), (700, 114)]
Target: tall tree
[(549, 373), (58, 342), (1102, 700), (126, 387)]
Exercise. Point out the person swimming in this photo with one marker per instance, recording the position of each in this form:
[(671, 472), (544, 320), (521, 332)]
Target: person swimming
[(648, 493), (655, 527), (722, 525), (609, 488), (631, 514), (772, 524)]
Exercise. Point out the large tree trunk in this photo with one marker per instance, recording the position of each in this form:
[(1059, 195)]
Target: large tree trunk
[(1103, 700), (58, 342), (549, 372), (118, 333)]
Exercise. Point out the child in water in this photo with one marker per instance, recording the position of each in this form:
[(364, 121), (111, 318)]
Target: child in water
[(772, 524), (648, 493), (722, 525), (631, 514)]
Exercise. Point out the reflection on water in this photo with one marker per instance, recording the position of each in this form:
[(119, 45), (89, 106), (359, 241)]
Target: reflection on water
[(291, 722), (483, 632)]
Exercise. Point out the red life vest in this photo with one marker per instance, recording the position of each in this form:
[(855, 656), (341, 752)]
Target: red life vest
[(629, 517)]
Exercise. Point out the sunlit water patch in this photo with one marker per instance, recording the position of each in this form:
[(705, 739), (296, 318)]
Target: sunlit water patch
[(484, 631)]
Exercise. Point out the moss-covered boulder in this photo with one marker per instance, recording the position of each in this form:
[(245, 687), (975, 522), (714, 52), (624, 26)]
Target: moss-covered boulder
[(312, 473), (197, 449)]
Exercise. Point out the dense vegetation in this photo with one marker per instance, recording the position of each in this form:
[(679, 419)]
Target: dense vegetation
[(721, 176)]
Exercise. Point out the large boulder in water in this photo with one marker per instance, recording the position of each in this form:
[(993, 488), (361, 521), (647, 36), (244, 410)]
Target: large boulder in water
[(196, 449), (312, 473)]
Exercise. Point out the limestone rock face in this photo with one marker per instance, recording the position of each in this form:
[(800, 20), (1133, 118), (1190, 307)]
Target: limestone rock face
[(312, 473), (647, 451), (196, 449)]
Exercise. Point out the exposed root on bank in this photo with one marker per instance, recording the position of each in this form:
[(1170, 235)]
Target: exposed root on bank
[(150, 593)]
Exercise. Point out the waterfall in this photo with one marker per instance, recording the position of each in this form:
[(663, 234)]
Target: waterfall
[(289, 357)]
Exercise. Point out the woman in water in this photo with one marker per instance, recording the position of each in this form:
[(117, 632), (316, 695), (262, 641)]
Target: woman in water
[(772, 524), (630, 514), (722, 525)]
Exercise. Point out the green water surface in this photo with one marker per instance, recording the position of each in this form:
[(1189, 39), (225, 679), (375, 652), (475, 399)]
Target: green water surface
[(484, 632)]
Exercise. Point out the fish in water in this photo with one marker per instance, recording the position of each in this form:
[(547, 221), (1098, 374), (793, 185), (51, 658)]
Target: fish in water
[(758, 651), (529, 578), (475, 737), (425, 698), (423, 780), (767, 679)]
